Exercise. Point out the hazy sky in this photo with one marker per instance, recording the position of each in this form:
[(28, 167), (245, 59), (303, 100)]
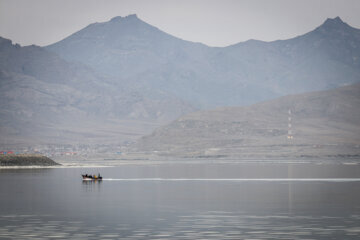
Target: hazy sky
[(213, 22)]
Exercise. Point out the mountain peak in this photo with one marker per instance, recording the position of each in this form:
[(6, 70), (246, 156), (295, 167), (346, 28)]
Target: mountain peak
[(129, 17), (334, 20), (334, 23), (334, 26)]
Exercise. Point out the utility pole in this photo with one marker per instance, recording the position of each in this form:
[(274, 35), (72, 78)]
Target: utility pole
[(290, 134)]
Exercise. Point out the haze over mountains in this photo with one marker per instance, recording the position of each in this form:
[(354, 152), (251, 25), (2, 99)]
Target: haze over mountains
[(119, 80), (143, 56)]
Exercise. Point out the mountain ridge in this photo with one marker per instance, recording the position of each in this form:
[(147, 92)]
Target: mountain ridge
[(254, 69)]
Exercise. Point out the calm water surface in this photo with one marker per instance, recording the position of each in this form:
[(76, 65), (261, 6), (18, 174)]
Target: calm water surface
[(182, 201)]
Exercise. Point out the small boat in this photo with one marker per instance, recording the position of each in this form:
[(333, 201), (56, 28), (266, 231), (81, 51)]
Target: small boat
[(90, 177)]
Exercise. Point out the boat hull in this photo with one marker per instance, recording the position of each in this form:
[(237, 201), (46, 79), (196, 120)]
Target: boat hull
[(88, 178)]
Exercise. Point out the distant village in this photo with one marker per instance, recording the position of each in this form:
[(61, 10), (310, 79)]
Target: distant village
[(66, 150)]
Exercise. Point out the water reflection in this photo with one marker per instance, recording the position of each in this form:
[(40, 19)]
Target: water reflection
[(290, 189), (91, 186)]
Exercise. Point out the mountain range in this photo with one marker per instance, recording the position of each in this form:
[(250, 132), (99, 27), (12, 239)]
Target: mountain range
[(143, 56), (119, 80)]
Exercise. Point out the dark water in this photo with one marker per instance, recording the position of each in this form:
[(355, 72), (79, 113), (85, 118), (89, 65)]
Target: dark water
[(182, 201)]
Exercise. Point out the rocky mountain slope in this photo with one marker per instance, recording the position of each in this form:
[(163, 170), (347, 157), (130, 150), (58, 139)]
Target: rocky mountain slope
[(45, 99), (323, 124)]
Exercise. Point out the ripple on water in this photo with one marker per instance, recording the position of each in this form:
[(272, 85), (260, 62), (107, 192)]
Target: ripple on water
[(198, 226)]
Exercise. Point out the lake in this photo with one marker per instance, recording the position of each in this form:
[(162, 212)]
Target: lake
[(182, 201)]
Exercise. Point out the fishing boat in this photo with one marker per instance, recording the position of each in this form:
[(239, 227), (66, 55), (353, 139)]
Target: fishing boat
[(89, 177)]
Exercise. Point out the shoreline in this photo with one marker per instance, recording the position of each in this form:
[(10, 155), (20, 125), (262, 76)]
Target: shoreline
[(119, 163)]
